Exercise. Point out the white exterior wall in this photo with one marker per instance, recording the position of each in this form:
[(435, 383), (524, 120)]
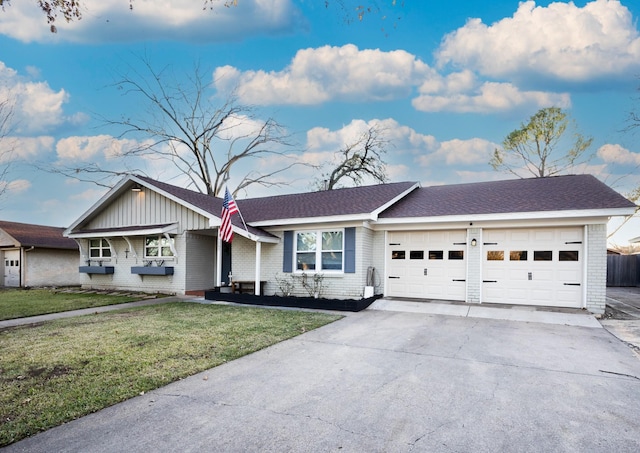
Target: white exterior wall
[(50, 267), (338, 286), (123, 279), (596, 284), (200, 259), (378, 257)]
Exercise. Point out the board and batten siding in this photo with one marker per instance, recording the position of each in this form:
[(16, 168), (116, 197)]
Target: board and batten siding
[(147, 208)]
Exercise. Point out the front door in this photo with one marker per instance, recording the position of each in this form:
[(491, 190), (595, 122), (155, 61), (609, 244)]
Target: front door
[(12, 268), (226, 263)]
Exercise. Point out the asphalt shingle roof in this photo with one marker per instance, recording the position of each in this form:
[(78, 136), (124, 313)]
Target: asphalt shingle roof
[(348, 201), (558, 193), (38, 235)]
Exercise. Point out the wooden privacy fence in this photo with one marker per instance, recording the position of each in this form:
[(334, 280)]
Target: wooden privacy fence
[(623, 270)]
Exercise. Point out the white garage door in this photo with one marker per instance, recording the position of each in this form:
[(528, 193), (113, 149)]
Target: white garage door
[(427, 264), (12, 268), (540, 266)]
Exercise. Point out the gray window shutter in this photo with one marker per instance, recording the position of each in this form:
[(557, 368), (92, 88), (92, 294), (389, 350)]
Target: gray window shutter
[(350, 250), (287, 259)]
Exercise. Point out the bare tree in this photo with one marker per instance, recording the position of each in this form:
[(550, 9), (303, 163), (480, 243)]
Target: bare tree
[(205, 141), (6, 145), (534, 148), (358, 160)]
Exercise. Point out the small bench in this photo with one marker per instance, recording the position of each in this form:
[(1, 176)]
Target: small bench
[(246, 287)]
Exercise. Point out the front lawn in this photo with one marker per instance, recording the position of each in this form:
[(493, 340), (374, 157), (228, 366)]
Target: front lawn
[(61, 370), (20, 303)]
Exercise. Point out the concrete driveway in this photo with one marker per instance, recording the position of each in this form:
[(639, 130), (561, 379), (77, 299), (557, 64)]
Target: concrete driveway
[(380, 381)]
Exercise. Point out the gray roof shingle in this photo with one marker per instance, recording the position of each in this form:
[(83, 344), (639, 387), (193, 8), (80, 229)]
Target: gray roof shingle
[(557, 193), (38, 235)]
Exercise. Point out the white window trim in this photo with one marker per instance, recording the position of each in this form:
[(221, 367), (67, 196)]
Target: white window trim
[(318, 252), (101, 248), (160, 257)]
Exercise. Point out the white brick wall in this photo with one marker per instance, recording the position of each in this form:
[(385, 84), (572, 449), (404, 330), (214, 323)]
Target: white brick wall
[(123, 279), (339, 286), (596, 285)]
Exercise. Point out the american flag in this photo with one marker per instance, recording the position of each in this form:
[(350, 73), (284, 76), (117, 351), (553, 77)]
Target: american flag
[(228, 209)]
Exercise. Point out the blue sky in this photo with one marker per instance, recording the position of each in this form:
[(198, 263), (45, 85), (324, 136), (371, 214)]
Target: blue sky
[(447, 80)]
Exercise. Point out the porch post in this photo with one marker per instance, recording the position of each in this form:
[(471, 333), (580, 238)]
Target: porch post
[(258, 259), (218, 260)]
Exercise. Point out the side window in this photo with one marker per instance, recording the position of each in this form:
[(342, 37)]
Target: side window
[(158, 246), (99, 248), (322, 250)]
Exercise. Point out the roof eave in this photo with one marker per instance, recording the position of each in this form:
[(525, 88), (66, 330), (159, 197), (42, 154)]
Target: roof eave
[(384, 207), (313, 220), (535, 215)]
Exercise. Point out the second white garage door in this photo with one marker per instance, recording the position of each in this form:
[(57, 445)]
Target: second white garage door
[(541, 266), (427, 264)]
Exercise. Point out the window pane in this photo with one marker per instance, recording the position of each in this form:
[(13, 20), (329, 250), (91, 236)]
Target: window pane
[(332, 240), (456, 254), (398, 255), (306, 261), (332, 261), (568, 255), (166, 251), (306, 242), (518, 255), (106, 252), (545, 255), (94, 253), (416, 254), (151, 242), (436, 254), (151, 251), (495, 255)]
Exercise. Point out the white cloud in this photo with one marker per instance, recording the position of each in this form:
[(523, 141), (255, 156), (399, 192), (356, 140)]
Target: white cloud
[(87, 148), (36, 107), (89, 195), (460, 152), (401, 138), (329, 73), (560, 41), (616, 154), (15, 187), (29, 148), (486, 98), (181, 20)]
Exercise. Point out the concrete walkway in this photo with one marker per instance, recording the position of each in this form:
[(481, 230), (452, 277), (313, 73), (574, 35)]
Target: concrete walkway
[(386, 381), (625, 303)]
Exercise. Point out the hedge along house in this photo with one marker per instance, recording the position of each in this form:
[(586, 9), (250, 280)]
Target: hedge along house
[(36, 255), (538, 241)]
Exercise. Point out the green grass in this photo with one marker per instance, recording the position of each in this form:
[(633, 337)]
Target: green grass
[(21, 303), (61, 370)]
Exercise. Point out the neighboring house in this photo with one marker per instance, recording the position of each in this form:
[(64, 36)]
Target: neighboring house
[(36, 255), (539, 241)]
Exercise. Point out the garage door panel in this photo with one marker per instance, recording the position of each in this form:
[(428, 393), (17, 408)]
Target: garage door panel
[(431, 253), (537, 263)]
